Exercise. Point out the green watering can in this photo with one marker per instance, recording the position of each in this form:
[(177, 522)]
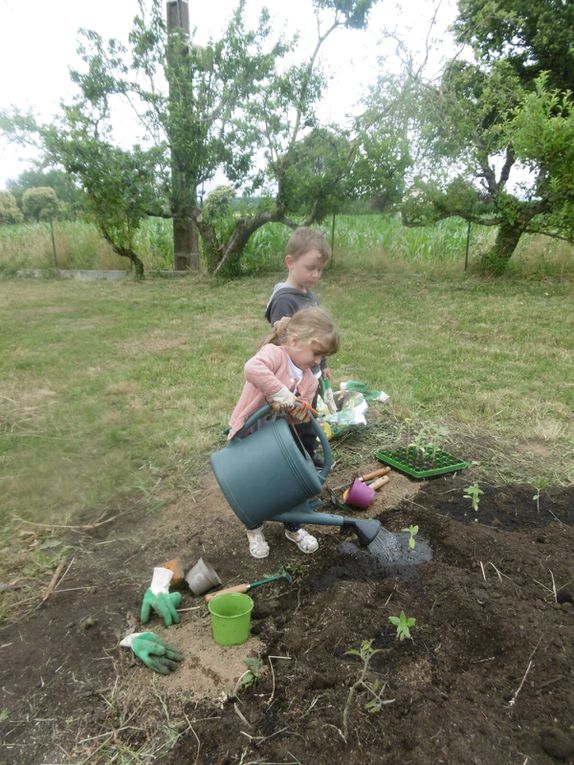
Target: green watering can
[(265, 477)]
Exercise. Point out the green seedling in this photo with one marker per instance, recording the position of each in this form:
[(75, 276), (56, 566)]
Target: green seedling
[(427, 442), (539, 484), (473, 493), (251, 676), (375, 689), (412, 531), (403, 623)]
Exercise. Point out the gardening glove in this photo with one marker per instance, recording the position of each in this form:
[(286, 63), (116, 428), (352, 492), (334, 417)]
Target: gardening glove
[(158, 598), (283, 400), (302, 411), (155, 654)]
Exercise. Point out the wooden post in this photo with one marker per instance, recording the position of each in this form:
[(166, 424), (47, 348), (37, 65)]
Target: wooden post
[(185, 244), (467, 246), (53, 242)]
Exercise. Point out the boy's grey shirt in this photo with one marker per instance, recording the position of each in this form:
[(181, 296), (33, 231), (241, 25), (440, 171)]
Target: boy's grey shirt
[(285, 301)]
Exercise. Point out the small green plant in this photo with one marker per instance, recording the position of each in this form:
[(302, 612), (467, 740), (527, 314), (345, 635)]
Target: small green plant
[(251, 676), (403, 623), (412, 532), (539, 484), (375, 689), (426, 442), (473, 492)]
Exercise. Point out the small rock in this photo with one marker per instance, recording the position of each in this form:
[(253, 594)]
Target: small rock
[(557, 743), (88, 622)]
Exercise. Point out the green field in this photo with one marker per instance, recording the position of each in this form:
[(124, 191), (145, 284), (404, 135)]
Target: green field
[(115, 393), (359, 242)]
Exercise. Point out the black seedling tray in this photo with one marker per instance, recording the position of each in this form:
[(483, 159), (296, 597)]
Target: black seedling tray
[(408, 461)]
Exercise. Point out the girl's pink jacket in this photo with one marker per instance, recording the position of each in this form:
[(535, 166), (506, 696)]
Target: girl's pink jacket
[(265, 374)]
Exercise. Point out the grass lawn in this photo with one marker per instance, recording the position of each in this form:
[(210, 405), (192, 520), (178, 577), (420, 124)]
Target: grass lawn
[(113, 393)]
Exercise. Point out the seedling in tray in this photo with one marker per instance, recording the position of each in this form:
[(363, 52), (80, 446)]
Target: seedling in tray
[(422, 457)]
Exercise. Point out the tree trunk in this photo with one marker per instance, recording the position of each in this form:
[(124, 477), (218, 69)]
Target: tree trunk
[(228, 258), (126, 252), (496, 259), (185, 248)]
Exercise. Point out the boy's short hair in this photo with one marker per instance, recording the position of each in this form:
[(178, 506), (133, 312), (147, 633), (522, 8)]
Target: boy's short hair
[(305, 239)]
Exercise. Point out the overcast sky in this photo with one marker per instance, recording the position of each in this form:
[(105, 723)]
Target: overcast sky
[(38, 41)]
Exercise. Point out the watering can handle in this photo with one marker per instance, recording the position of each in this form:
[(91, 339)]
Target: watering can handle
[(319, 432)]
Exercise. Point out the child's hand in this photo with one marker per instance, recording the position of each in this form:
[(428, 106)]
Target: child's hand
[(302, 411), (284, 399)]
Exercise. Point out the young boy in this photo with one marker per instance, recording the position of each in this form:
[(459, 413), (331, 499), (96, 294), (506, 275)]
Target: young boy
[(307, 255)]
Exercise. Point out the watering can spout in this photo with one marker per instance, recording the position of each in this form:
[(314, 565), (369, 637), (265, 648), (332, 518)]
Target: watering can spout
[(366, 529)]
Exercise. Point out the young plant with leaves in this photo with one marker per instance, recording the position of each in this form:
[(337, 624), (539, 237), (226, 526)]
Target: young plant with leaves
[(473, 492), (250, 677), (539, 484), (375, 689), (412, 531), (403, 623)]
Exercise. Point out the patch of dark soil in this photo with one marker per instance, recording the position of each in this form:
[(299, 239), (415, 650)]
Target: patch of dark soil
[(486, 679)]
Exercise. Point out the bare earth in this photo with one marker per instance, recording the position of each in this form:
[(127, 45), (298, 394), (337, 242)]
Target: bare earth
[(486, 680)]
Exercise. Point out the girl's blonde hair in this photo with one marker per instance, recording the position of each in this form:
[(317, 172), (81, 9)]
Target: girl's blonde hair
[(311, 325)]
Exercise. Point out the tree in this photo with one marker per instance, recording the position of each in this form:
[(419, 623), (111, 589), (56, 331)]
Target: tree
[(237, 111), (40, 203), (67, 192), (382, 147), (533, 36), (469, 131), (120, 185), (9, 211)]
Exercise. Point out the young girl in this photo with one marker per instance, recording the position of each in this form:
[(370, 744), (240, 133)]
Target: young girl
[(280, 374)]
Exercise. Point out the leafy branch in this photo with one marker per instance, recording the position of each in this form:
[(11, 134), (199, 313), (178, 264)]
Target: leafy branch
[(375, 689)]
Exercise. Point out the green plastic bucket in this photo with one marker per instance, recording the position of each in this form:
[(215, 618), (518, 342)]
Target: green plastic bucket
[(230, 618)]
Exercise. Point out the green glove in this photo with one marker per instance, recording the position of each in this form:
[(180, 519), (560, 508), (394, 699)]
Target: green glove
[(164, 604), (155, 654), (158, 598)]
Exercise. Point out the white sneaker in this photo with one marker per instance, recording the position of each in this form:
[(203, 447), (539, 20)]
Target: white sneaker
[(258, 546), (306, 542)]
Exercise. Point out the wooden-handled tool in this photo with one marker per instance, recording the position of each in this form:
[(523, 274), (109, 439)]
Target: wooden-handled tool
[(245, 586), (375, 473), (376, 485)]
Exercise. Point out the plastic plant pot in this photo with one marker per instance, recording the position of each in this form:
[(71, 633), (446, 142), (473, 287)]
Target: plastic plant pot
[(409, 461), (202, 577), (359, 495), (230, 618)]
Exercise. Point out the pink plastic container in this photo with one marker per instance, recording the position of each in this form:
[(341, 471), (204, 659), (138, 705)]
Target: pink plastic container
[(359, 494)]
